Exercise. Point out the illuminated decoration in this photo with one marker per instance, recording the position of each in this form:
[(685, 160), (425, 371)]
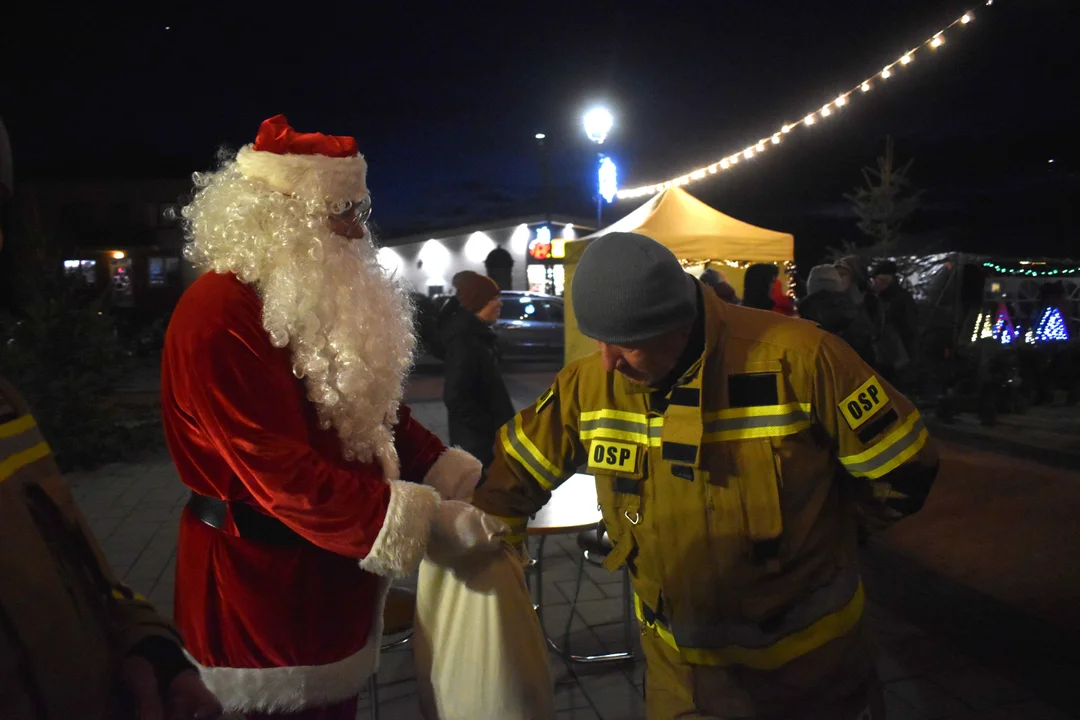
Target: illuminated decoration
[(608, 179), (118, 255), (568, 232), (540, 247), (1031, 269), (1051, 327), (827, 110), (788, 267), (1004, 330)]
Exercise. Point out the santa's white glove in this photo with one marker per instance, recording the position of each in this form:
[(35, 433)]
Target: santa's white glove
[(459, 528)]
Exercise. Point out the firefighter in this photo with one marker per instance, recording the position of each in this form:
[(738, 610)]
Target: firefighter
[(735, 452)]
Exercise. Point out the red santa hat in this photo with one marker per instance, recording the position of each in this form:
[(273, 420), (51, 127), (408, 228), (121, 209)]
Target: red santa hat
[(308, 165)]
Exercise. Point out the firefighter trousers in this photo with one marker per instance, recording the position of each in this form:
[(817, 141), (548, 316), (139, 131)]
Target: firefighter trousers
[(676, 690)]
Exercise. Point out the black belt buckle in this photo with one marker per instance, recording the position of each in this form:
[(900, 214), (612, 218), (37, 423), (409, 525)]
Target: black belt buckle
[(250, 523)]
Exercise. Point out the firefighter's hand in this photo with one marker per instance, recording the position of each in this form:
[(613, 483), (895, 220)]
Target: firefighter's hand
[(188, 698), (459, 528)]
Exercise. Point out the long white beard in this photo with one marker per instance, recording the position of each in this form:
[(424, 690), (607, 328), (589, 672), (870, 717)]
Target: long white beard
[(348, 325)]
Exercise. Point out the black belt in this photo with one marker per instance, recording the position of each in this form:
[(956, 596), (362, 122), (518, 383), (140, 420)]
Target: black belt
[(250, 523)]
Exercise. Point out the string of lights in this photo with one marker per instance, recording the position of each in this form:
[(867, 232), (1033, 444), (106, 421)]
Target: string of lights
[(1029, 271), (830, 108)]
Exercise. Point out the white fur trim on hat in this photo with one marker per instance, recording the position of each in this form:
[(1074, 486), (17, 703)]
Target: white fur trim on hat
[(310, 176), (403, 538), (454, 474)]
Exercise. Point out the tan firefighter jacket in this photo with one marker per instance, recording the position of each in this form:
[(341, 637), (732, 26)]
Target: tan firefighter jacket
[(734, 498), (65, 620)]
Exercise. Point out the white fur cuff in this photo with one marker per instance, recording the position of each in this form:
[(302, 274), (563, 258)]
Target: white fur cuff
[(454, 474), (403, 539)]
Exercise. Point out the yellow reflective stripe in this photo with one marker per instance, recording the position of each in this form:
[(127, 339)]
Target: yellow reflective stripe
[(17, 426), (890, 452), (757, 432), (613, 434), (11, 464), (756, 411), (780, 653), (613, 415), (522, 449)]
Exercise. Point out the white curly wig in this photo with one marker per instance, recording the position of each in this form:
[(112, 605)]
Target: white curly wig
[(347, 323)]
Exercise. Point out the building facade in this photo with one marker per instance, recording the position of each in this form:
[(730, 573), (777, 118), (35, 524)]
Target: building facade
[(520, 254)]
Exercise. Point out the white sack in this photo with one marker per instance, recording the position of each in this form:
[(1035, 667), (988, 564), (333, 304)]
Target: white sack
[(480, 652)]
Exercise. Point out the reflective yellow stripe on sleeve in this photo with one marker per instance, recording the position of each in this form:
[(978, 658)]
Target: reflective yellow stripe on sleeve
[(522, 449), (21, 443), (890, 452)]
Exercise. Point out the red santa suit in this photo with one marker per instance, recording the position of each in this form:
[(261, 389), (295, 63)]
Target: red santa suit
[(290, 626)]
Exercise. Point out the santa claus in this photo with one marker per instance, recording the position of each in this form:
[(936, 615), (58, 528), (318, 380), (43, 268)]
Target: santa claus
[(282, 380)]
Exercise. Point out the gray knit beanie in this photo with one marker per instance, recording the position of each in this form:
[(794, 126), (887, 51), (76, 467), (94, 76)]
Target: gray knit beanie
[(823, 277), (628, 288)]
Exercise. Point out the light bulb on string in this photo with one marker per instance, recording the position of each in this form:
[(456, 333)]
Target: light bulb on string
[(840, 101)]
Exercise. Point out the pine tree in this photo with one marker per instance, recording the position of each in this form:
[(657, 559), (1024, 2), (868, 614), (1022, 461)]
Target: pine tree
[(886, 201)]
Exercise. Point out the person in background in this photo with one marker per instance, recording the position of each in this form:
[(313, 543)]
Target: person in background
[(714, 279), (827, 304), (898, 319), (477, 401), (763, 289), (74, 641), (734, 453)]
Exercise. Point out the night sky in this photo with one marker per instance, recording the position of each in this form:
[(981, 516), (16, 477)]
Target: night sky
[(445, 102)]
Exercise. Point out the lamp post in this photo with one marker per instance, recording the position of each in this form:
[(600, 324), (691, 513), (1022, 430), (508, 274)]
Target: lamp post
[(545, 200), (598, 122)]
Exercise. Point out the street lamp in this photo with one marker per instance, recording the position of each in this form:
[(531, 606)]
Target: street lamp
[(598, 123)]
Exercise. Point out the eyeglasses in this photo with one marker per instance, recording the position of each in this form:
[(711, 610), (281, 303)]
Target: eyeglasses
[(355, 212)]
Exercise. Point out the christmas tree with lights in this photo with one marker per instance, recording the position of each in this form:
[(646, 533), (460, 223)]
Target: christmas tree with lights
[(1004, 331), (1051, 327)]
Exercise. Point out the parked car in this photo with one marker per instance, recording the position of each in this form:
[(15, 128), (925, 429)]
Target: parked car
[(530, 325)]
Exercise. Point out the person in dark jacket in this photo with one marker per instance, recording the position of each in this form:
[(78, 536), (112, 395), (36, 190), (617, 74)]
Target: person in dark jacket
[(827, 304), (477, 401), (898, 319)]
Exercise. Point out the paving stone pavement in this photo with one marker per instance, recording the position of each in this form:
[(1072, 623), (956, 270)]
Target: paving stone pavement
[(134, 511)]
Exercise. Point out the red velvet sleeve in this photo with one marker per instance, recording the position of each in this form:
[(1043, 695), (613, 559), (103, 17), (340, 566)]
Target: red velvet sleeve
[(417, 447), (247, 403)]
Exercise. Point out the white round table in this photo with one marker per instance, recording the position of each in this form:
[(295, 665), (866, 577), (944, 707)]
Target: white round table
[(573, 508)]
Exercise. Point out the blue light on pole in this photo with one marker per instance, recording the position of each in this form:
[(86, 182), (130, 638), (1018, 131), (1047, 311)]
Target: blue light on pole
[(609, 185)]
